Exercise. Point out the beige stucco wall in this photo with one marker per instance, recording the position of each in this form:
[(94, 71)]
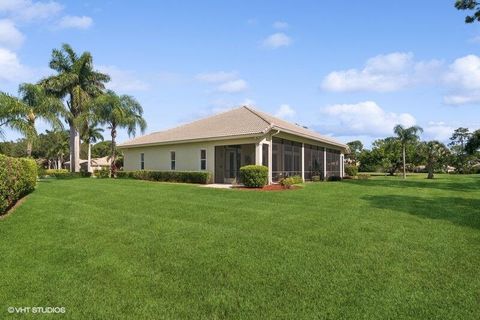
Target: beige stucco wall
[(187, 155)]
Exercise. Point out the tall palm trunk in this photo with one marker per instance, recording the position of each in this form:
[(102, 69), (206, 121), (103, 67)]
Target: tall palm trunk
[(89, 164), (74, 148), (404, 165), (29, 147), (113, 168)]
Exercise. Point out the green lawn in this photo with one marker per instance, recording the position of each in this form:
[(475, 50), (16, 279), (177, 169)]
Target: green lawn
[(376, 249)]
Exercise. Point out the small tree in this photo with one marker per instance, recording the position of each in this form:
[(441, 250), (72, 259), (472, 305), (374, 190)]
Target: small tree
[(356, 148), (473, 143), (436, 155), (406, 136)]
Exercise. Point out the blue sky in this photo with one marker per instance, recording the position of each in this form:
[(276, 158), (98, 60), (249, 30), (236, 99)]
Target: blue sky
[(350, 69)]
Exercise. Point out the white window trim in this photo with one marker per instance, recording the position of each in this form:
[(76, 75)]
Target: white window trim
[(175, 161), (206, 160), (142, 160)]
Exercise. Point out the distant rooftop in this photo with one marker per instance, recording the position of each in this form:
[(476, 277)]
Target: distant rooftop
[(242, 121)]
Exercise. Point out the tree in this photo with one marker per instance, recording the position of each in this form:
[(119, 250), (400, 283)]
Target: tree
[(473, 143), (436, 155), (458, 142), (469, 5), (356, 148), (11, 116), (77, 81), (117, 112), (91, 134), (406, 136), (34, 104)]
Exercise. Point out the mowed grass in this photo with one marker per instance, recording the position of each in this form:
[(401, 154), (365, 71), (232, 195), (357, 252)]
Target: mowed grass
[(124, 249)]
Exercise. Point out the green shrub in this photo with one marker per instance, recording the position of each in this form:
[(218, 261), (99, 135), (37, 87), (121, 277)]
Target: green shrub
[(254, 176), (363, 176), (102, 173), (316, 178), (290, 181), (18, 177), (85, 174), (53, 172), (201, 177), (351, 170), (334, 178), (287, 183)]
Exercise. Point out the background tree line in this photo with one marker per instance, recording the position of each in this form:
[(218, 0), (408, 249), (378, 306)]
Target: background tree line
[(406, 152), (76, 96)]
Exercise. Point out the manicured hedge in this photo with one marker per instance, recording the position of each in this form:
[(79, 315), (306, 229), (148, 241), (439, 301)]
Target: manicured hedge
[(253, 176), (18, 177), (64, 174), (201, 177)]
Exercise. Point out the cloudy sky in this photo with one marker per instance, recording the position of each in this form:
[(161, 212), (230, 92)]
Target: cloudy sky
[(349, 69)]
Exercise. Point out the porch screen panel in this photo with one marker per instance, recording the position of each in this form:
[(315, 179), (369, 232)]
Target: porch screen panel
[(333, 163), (313, 161), (286, 158)]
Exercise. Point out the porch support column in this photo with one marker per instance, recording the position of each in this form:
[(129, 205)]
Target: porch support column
[(270, 174), (342, 165), (258, 154), (303, 162), (324, 163)]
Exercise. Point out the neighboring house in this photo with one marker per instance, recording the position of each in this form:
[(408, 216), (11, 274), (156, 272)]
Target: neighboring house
[(224, 142), (96, 164)]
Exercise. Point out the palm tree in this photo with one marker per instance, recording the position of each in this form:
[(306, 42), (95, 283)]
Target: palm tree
[(77, 81), (117, 112), (405, 136), (12, 116), (436, 153), (91, 134)]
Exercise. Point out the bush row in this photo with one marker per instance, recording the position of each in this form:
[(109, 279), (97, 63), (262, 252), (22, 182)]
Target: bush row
[(18, 177), (201, 177)]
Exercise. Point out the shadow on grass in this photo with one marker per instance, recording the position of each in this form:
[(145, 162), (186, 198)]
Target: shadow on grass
[(460, 211), (467, 183)]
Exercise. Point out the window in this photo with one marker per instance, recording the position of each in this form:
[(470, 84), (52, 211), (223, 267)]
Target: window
[(203, 159), (142, 161), (172, 160)]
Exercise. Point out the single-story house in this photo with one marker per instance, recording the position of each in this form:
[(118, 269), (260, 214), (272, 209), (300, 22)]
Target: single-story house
[(95, 164), (224, 142)]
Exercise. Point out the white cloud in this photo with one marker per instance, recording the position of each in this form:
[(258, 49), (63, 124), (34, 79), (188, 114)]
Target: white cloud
[(123, 80), (11, 70), (383, 73), (280, 25), (438, 131), (233, 86), (215, 77), (463, 78), (10, 36), (77, 22), (285, 111), (364, 118), (227, 82), (27, 10), (277, 40)]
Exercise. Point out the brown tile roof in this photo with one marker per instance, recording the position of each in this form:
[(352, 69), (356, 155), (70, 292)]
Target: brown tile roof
[(243, 121)]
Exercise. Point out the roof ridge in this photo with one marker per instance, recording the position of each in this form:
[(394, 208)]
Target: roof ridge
[(255, 112), (185, 124)]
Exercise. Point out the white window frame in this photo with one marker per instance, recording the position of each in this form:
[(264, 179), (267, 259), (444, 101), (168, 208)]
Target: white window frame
[(174, 161), (142, 161), (203, 149)]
